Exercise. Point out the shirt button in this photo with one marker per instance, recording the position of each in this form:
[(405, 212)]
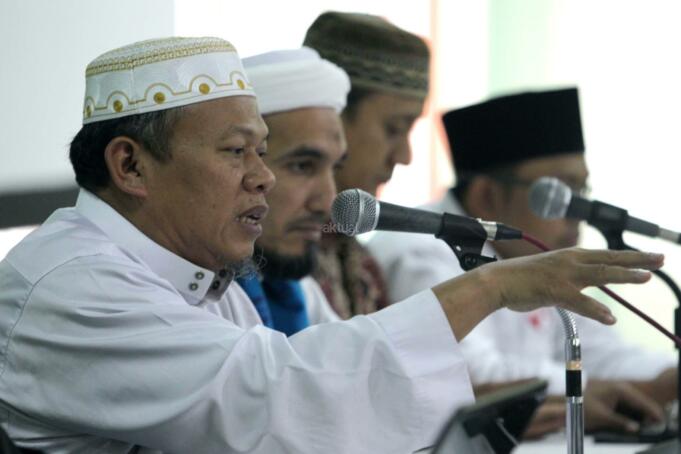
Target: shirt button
[(193, 286), (215, 285), (199, 275), (222, 273)]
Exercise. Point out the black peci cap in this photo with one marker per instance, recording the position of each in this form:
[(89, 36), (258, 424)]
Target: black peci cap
[(511, 129)]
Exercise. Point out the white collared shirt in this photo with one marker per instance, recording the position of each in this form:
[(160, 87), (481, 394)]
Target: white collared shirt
[(111, 343), (510, 345)]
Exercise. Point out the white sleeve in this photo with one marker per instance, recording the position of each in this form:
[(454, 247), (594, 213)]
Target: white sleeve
[(105, 349), (318, 308)]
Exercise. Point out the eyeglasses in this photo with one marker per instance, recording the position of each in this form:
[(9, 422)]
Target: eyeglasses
[(582, 190)]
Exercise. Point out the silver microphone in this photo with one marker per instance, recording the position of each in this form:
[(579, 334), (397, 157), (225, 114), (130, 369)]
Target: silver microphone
[(355, 211), (550, 198)]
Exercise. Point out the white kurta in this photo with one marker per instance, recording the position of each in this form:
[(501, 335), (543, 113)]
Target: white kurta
[(318, 308), (509, 345), (108, 341)]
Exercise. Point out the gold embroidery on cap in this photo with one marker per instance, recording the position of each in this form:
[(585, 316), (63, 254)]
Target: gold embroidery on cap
[(167, 88), (109, 98), (160, 97), (117, 105), (115, 63), (204, 88)]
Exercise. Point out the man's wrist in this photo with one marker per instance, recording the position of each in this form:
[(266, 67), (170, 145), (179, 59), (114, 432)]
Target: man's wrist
[(467, 300), (493, 292)]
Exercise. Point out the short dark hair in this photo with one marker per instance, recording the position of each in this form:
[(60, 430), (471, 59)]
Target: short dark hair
[(355, 97), (153, 130)]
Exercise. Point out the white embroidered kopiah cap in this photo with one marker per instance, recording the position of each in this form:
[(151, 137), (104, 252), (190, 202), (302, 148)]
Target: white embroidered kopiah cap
[(161, 74), (292, 79)]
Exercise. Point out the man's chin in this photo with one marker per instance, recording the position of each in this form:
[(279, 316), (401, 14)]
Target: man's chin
[(372, 187), (232, 269), (375, 190), (232, 256)]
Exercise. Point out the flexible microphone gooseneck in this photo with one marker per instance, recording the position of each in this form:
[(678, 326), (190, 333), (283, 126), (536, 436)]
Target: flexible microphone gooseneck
[(551, 198), (575, 414)]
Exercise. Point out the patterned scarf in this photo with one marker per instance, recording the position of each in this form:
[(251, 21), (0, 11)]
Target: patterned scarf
[(350, 277)]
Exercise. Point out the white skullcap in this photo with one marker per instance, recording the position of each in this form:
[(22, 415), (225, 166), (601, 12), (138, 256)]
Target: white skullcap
[(293, 79), (161, 74)]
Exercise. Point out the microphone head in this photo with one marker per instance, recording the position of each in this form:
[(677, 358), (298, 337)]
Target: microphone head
[(550, 198), (354, 211)]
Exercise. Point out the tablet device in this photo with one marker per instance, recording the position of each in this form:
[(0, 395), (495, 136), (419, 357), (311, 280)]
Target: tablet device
[(494, 424)]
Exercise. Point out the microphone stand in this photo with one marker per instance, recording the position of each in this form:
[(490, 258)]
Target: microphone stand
[(613, 236), (574, 401), (469, 254)]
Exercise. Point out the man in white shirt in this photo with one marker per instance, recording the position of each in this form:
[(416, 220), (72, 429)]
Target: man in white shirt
[(499, 148), (120, 329), (300, 97)]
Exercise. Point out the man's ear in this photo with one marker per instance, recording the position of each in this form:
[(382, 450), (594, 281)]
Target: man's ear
[(125, 160), (485, 197)]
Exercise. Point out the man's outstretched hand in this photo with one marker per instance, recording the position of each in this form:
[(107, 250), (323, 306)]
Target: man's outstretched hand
[(554, 278)]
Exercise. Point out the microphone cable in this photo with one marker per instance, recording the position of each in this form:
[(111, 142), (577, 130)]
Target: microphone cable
[(676, 339)]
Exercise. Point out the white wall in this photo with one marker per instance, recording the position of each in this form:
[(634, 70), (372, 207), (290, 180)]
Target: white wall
[(460, 74), (262, 25), (46, 46)]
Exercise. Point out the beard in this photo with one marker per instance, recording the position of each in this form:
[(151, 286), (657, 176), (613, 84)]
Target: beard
[(282, 266), (242, 268)]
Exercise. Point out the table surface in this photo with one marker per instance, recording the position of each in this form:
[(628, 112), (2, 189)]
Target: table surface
[(556, 444)]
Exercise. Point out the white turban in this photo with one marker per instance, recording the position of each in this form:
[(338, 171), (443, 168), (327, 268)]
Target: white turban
[(293, 79)]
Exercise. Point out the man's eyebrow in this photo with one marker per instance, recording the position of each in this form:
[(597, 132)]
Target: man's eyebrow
[(403, 117), (239, 130), (303, 151)]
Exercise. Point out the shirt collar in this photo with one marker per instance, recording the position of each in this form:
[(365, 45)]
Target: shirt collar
[(190, 280)]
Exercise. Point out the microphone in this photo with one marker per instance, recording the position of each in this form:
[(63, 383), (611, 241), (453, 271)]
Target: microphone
[(355, 211), (550, 198)]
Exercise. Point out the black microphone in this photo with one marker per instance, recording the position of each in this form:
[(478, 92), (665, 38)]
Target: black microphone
[(355, 211), (550, 198)]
